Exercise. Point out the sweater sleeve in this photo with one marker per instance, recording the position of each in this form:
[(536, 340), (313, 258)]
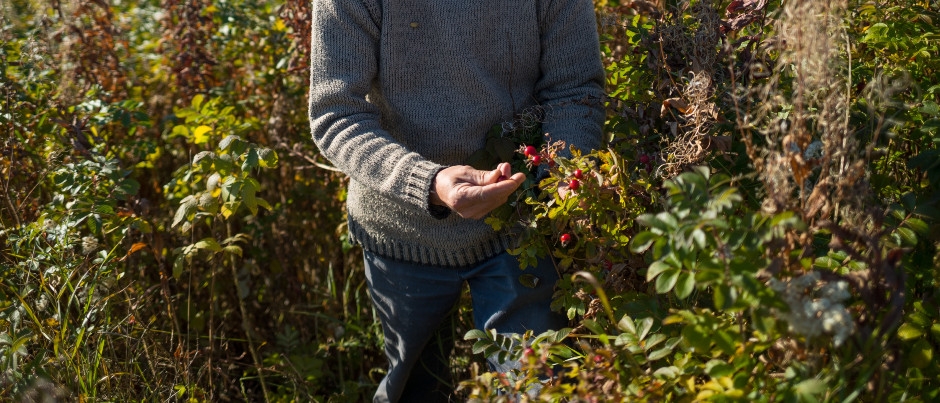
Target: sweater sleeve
[(344, 125), (571, 85)]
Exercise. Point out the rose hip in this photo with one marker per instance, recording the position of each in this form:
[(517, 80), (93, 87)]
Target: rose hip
[(530, 151), (574, 184)]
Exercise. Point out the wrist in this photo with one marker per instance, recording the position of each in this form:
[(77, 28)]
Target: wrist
[(433, 198)]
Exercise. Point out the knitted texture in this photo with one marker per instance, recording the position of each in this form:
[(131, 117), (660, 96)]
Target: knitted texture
[(400, 89)]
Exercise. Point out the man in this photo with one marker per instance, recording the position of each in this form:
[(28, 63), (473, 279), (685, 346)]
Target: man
[(402, 93)]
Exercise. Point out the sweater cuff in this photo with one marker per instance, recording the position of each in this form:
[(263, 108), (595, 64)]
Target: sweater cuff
[(418, 190)]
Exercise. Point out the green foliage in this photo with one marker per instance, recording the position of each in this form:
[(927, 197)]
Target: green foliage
[(167, 233)]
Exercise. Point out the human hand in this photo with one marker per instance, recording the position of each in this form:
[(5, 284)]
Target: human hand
[(472, 193)]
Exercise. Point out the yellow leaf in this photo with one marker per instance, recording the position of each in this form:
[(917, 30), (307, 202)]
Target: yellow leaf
[(200, 135)]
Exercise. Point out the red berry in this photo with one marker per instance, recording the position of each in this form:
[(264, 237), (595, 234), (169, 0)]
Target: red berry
[(565, 239), (578, 174), (574, 184), (528, 352), (530, 151), (598, 358), (644, 159), (536, 160)]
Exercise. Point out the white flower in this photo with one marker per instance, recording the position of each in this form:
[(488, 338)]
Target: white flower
[(815, 309), (89, 244)]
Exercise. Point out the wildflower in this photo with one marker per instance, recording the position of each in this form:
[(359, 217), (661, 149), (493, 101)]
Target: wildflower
[(814, 309), (89, 244)]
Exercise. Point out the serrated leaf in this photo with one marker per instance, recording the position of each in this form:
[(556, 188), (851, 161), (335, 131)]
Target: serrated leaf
[(228, 141), (475, 334), (480, 346), (248, 197), (212, 183), (187, 206)]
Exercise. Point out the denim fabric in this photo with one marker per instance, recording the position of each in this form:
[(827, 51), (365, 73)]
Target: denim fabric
[(414, 303)]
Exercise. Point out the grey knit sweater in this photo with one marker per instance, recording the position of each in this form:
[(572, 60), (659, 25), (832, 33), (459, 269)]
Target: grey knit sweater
[(400, 89)]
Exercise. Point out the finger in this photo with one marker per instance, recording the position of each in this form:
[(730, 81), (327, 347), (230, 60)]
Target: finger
[(505, 187), (493, 176), (505, 170)]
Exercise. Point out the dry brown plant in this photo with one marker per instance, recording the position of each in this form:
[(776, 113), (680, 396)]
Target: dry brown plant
[(690, 51)]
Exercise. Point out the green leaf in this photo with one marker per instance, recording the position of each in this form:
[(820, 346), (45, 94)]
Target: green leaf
[(655, 269), (876, 33), (699, 237), (209, 244), (667, 280), (697, 337), (908, 238), (228, 141), (248, 197), (251, 160), (921, 354), (202, 155), (475, 334), (644, 327), (197, 101), (658, 354), (529, 280), (685, 285), (626, 324), (918, 226), (642, 241), (268, 157), (187, 206), (908, 331), (809, 389), (233, 250), (724, 296), (718, 369), (178, 266)]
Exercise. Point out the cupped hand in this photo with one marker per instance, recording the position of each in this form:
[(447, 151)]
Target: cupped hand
[(472, 193)]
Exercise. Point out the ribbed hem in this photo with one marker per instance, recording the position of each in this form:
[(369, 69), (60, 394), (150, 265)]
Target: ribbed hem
[(418, 183), (401, 250)]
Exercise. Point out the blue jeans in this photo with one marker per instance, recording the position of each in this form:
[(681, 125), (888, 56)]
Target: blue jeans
[(414, 302)]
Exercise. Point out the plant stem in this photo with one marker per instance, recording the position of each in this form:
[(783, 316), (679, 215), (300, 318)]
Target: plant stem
[(246, 322)]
